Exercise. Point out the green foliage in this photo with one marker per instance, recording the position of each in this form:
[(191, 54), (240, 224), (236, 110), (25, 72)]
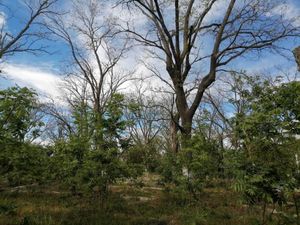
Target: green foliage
[(192, 167), (146, 156), (90, 159), (24, 164), (266, 170), (17, 114), (103, 166), (97, 152), (144, 125), (20, 161), (7, 207)]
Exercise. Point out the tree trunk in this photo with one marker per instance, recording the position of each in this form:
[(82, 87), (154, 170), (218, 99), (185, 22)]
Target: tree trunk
[(99, 140), (174, 134), (296, 197), (186, 131), (296, 52), (183, 111)]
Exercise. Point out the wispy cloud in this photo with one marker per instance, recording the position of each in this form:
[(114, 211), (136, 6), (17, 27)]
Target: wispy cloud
[(44, 82), (289, 11), (2, 19)]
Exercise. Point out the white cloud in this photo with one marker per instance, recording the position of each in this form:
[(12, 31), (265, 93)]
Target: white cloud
[(289, 11), (218, 11), (2, 19), (44, 82)]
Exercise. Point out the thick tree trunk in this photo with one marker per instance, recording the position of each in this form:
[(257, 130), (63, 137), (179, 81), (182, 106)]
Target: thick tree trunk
[(183, 111), (174, 134), (186, 131)]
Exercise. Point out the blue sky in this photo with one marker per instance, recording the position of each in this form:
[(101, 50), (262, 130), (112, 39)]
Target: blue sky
[(16, 14), (41, 72)]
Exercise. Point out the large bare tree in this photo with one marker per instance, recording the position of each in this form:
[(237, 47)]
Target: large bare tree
[(190, 36)]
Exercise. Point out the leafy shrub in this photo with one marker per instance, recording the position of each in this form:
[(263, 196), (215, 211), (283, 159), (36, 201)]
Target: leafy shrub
[(192, 166), (7, 208)]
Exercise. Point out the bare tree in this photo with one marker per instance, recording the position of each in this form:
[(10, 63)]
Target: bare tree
[(145, 117), (95, 53), (31, 31), (59, 124), (178, 30)]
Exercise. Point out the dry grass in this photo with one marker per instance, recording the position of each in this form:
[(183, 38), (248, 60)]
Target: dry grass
[(129, 205)]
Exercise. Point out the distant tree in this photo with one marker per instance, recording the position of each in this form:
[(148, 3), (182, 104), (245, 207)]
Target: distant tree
[(95, 52), (79, 162)]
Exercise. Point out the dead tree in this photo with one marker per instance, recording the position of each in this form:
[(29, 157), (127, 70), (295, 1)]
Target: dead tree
[(145, 116), (178, 30)]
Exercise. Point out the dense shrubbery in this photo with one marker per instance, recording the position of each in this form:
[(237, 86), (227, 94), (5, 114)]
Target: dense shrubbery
[(267, 171), (192, 167), (21, 162), (261, 161)]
